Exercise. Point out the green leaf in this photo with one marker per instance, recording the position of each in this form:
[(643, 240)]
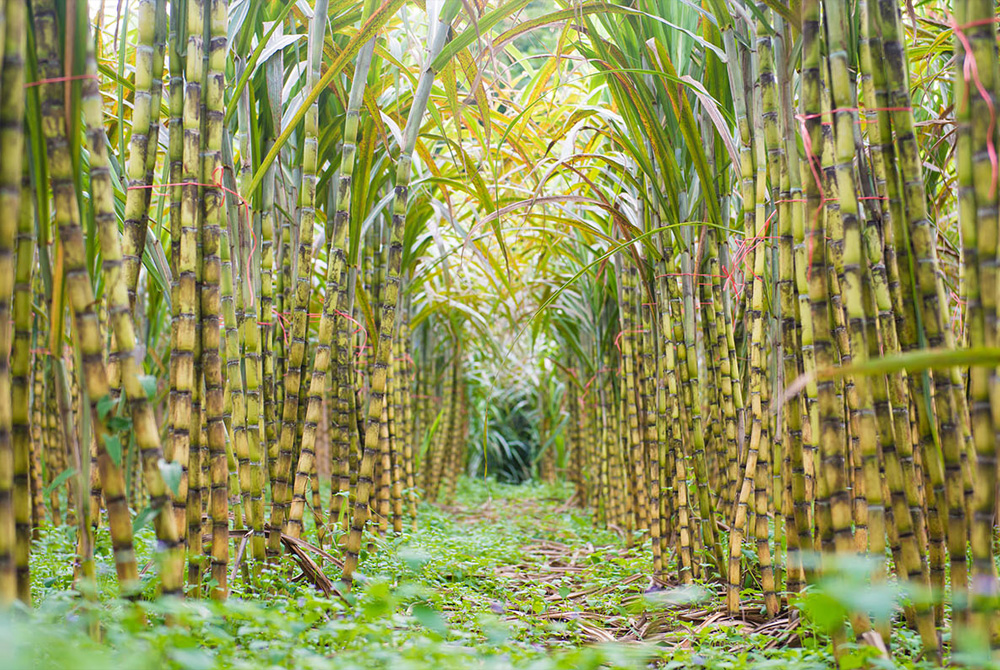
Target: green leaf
[(430, 619), (911, 361), (475, 32), (113, 444), (60, 478), (104, 406), (117, 424), (143, 518), (916, 361), (371, 28), (681, 595), (171, 472), (148, 385), (193, 659), (827, 612), (414, 559), (251, 65)]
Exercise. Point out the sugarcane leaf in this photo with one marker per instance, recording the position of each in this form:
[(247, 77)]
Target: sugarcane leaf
[(144, 517), (917, 361), (148, 383), (171, 472), (118, 423), (108, 72), (759, 15), (113, 445), (911, 361), (715, 115), (464, 39), (303, 6), (689, 130), (105, 405), (238, 12), (252, 63), (790, 12), (274, 45), (478, 91), (371, 27), (430, 618), (58, 481), (565, 15)]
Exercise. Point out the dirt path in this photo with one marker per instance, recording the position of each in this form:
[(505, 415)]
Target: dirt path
[(566, 572)]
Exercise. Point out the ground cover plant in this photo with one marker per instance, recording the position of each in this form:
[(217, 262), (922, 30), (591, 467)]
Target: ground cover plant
[(279, 281), (504, 577)]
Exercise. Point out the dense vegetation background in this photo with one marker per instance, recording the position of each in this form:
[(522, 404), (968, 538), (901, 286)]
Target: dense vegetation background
[(501, 333)]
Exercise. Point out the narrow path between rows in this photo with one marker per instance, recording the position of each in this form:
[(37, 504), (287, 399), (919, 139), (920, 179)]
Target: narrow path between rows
[(558, 581)]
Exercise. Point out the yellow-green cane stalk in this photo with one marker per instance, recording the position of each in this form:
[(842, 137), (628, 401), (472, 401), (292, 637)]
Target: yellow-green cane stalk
[(271, 334), (140, 144), (156, 92), (931, 303), (692, 431), (79, 290), (798, 530), (247, 434), (175, 156), (235, 274), (757, 428), (833, 503), (460, 430), (295, 372), (612, 442), (188, 212), (213, 204), (49, 436), (729, 375), (769, 153), (331, 318), (647, 355), (978, 209), (627, 308), (144, 425), (39, 450), (396, 438), (11, 145), (436, 42), (850, 263), (436, 464), (409, 454), (28, 508), (175, 151), (384, 473), (670, 422), (346, 425), (895, 439)]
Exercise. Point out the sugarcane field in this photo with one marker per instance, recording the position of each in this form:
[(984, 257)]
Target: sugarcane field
[(535, 334)]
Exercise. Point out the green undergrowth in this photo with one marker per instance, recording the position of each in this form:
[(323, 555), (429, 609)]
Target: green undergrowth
[(508, 576)]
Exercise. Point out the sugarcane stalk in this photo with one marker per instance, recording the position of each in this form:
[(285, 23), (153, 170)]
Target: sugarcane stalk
[(144, 426), (331, 318), (296, 371), (79, 291), (11, 145), (436, 42), (213, 205)]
